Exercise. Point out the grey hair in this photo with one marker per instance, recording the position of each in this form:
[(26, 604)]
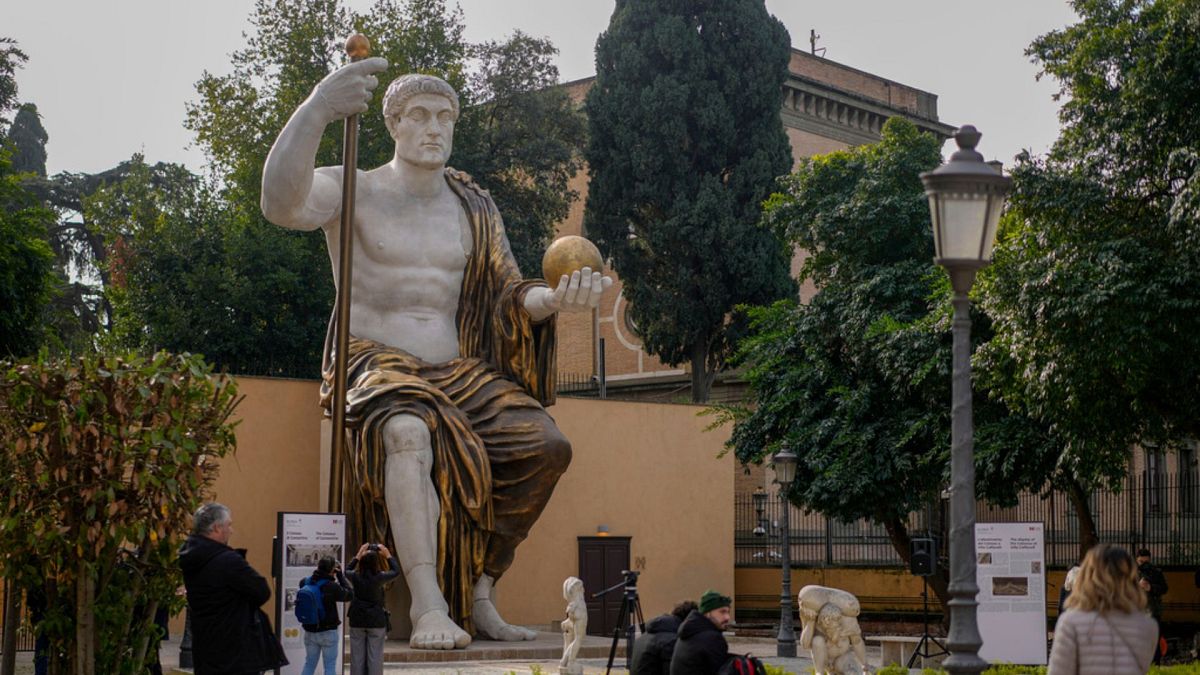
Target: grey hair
[(407, 86), (209, 516)]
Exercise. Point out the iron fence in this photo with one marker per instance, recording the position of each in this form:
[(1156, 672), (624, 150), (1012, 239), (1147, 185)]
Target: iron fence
[(1157, 510)]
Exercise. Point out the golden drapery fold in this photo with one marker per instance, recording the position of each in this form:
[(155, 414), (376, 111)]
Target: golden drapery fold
[(506, 364)]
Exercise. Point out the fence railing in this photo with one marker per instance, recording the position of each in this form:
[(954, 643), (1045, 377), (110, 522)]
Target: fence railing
[(1158, 510)]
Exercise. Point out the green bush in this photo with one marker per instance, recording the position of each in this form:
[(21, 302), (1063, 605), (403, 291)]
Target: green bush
[(892, 669), (1014, 669), (1177, 669), (105, 458)]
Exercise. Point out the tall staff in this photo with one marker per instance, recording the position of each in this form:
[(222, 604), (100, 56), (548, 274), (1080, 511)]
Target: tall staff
[(357, 48)]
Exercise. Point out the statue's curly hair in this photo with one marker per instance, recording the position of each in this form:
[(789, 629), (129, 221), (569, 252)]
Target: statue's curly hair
[(407, 86)]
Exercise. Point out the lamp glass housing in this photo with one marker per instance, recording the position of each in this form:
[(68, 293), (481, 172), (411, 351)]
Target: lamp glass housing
[(784, 463), (966, 197)]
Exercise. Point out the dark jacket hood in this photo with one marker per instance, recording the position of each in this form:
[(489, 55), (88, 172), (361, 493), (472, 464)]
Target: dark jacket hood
[(695, 624), (666, 623), (197, 551)]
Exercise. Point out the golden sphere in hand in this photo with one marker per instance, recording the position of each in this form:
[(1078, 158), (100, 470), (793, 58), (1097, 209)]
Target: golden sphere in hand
[(358, 47), (567, 254)]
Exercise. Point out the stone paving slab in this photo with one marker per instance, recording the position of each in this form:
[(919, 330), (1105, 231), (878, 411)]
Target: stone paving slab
[(538, 656)]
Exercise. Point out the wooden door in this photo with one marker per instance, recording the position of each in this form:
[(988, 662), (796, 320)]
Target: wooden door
[(601, 561)]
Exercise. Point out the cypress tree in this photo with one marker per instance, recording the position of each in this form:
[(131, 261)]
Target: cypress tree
[(686, 142)]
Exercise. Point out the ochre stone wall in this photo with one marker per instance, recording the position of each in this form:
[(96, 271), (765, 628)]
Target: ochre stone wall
[(648, 471)]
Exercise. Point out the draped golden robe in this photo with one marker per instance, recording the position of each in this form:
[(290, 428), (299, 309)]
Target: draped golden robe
[(496, 453)]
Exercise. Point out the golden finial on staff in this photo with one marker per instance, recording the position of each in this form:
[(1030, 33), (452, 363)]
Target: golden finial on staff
[(358, 47)]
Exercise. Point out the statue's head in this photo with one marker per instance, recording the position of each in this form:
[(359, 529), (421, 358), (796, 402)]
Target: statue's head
[(829, 621), (420, 112), (572, 588)]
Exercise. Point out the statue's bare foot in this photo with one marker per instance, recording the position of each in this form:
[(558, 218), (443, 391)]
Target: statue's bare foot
[(489, 624), (435, 630)]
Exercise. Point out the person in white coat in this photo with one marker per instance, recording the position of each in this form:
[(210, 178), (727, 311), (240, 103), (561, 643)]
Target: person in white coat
[(1105, 630)]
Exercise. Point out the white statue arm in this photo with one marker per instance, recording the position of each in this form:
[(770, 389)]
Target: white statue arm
[(579, 292), (293, 194)]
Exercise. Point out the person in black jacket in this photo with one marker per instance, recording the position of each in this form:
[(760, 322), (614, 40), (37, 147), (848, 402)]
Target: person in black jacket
[(653, 649), (701, 648), (321, 639), (368, 616), (1152, 580), (230, 634)]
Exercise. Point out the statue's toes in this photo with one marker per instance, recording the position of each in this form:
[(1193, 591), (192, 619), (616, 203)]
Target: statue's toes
[(461, 639)]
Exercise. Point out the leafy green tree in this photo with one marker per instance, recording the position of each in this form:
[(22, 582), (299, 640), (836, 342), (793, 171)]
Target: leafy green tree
[(185, 274), (1128, 74), (1095, 290), (685, 142), (518, 140), (523, 139), (27, 279), (28, 139), (105, 458), (11, 58), (857, 381)]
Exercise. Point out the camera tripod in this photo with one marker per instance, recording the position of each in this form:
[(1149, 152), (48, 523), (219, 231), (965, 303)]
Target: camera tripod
[(630, 607), (925, 648)]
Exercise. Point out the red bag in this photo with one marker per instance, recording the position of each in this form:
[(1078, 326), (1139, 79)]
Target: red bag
[(743, 664)]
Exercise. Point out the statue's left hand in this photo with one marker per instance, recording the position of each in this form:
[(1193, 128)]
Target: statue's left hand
[(579, 292)]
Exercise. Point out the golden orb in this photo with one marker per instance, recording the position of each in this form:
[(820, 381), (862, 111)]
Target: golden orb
[(567, 254), (358, 47)]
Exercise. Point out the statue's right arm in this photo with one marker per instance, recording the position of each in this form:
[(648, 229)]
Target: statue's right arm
[(294, 195)]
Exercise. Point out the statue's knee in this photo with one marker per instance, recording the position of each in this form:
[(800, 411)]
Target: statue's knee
[(557, 452), (406, 434)]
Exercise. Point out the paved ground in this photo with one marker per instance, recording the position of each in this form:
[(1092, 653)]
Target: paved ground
[(481, 663)]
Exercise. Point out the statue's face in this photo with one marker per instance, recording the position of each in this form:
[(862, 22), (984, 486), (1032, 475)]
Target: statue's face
[(424, 131)]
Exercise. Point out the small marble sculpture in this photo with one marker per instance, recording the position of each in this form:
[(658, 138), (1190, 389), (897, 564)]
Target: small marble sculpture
[(829, 629), (574, 627)]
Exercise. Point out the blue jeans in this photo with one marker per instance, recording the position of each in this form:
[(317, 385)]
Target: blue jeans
[(321, 645)]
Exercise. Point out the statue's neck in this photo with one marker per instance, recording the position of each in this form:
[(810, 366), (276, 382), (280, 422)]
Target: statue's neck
[(419, 181)]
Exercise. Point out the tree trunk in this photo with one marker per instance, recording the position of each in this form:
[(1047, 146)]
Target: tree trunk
[(939, 583), (146, 619), (1083, 511), (701, 378), (85, 623), (9, 663)]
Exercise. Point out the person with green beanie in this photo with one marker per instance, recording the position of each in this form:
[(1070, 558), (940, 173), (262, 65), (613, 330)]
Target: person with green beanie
[(701, 648)]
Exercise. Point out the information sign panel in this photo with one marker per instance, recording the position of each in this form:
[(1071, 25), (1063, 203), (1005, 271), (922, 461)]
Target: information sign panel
[(1011, 572), (303, 539)]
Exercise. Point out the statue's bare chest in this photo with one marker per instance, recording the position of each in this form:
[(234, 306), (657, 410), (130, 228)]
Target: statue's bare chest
[(434, 234)]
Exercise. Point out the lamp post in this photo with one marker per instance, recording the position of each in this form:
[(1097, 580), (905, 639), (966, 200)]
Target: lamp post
[(760, 507), (966, 196), (784, 463)]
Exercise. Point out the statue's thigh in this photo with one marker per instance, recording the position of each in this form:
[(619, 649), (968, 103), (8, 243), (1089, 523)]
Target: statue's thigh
[(525, 435)]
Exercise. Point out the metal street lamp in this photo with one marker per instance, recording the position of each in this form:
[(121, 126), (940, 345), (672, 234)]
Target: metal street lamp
[(966, 196), (760, 507), (784, 463)]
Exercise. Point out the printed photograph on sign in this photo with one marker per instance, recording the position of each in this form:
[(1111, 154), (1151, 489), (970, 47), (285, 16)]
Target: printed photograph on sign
[(309, 556), (985, 558), (1010, 586)]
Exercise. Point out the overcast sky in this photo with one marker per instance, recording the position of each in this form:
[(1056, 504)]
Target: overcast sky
[(111, 77)]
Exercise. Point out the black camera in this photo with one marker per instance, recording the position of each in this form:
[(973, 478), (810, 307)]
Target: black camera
[(372, 547)]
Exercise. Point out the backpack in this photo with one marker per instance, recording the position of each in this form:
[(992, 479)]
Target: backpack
[(743, 664), (310, 605)]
